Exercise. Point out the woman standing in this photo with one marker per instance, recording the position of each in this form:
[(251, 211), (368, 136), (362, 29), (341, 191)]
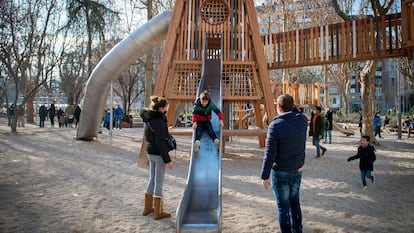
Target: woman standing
[(156, 130)]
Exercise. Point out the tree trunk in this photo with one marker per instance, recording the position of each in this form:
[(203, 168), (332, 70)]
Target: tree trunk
[(325, 85), (367, 98), (30, 111), (148, 63), (347, 98), (13, 120)]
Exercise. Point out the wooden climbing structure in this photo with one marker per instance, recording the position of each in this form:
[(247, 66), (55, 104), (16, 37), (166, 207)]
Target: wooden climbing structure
[(303, 94), (247, 56), (357, 40), (245, 78)]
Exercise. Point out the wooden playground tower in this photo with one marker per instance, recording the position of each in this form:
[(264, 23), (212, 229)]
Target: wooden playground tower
[(247, 56)]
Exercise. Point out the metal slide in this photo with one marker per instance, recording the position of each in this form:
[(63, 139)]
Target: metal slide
[(110, 67), (200, 206)]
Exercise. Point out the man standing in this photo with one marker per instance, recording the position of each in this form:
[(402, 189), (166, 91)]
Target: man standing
[(328, 126), (317, 127), (118, 117), (42, 116), (284, 156)]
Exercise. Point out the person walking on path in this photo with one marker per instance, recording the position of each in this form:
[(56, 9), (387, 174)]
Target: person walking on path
[(284, 156), (156, 130), (317, 127), (366, 156), (377, 124), (328, 126), (76, 115)]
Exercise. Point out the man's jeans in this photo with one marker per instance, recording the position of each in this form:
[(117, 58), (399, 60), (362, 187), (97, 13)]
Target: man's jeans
[(118, 122), (286, 185), (157, 172), (316, 142)]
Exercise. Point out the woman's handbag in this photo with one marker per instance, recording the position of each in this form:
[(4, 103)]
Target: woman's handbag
[(172, 144)]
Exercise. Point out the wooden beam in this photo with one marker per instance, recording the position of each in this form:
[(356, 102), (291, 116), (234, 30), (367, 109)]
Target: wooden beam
[(261, 63), (169, 48)]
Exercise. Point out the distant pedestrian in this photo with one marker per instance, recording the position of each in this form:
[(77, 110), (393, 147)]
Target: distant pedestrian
[(366, 156), (386, 121), (42, 116), (328, 126), (119, 114), (52, 112), (408, 125), (377, 124), (10, 114), (61, 117), (20, 116), (317, 127), (76, 115)]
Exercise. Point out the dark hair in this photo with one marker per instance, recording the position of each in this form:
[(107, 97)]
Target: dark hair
[(366, 138), (285, 102), (205, 95), (318, 108), (158, 102)]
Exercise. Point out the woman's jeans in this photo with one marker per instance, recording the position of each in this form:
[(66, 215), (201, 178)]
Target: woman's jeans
[(366, 174), (201, 125), (157, 172), (286, 185)]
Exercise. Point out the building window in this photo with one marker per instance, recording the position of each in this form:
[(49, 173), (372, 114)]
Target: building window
[(333, 90)]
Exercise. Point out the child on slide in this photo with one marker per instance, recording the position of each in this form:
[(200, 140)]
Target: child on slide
[(202, 119)]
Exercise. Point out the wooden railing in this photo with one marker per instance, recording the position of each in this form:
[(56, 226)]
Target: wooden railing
[(407, 14), (356, 40)]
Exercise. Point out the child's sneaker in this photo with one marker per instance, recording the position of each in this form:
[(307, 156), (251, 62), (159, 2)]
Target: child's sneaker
[(364, 187), (217, 142), (196, 145)]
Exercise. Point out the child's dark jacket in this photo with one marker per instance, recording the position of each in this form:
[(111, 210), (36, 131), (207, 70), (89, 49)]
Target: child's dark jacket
[(366, 156), (203, 114)]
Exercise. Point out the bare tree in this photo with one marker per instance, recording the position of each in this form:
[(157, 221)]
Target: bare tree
[(27, 47), (92, 17), (377, 8), (342, 75), (73, 76)]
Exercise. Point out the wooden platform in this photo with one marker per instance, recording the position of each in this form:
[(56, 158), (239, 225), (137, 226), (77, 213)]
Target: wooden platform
[(226, 132)]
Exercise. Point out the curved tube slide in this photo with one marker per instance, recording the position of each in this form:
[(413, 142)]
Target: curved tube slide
[(110, 67)]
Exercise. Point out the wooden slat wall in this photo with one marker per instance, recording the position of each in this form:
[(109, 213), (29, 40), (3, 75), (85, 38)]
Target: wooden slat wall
[(408, 23), (337, 44), (237, 54)]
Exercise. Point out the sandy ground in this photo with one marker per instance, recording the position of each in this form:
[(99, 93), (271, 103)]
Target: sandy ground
[(50, 182)]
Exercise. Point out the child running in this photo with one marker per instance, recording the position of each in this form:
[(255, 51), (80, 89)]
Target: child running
[(366, 156), (201, 119)]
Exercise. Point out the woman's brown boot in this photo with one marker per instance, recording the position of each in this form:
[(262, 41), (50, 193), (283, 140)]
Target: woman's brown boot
[(148, 204), (158, 209)]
